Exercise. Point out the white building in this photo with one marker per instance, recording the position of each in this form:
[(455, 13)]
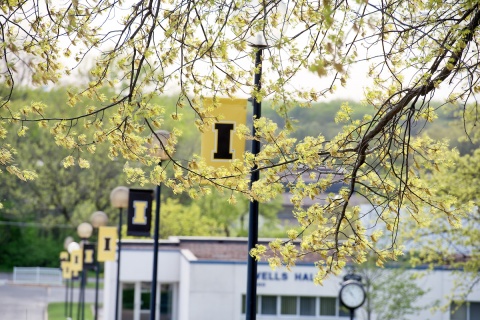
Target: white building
[(205, 279)]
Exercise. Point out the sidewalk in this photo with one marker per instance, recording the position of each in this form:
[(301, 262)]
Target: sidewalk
[(30, 301), (6, 276)]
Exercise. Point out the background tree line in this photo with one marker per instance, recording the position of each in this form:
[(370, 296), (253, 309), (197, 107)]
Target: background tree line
[(37, 215), (61, 198)]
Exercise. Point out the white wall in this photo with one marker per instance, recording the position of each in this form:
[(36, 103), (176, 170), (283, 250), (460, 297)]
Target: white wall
[(212, 290), (440, 286), (137, 265), (183, 297), (109, 289), (217, 288), (220, 286)]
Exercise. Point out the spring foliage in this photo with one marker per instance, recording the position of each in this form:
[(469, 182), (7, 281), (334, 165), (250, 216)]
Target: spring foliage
[(413, 51)]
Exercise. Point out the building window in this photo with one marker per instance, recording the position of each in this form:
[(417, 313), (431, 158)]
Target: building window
[(128, 296), (328, 306), (307, 306), (269, 304), (465, 311), (145, 289), (474, 310), (166, 301), (296, 306), (288, 305)]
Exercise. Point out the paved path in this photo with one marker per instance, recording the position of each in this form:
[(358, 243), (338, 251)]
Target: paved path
[(29, 302)]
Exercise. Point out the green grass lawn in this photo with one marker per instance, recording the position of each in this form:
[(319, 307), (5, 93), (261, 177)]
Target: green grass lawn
[(56, 311), (90, 284)]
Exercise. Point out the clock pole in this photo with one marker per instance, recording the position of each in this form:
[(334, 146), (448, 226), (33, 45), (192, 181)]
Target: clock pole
[(352, 293)]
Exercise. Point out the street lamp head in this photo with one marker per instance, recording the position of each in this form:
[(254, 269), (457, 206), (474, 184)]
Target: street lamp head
[(84, 230), (73, 246), (159, 140), (119, 197), (67, 241), (259, 41), (272, 33), (98, 219)]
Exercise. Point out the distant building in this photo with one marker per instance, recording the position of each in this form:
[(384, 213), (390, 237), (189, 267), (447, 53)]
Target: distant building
[(205, 279), (285, 215)]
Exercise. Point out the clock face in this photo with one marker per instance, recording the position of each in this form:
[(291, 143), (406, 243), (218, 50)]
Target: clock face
[(352, 295)]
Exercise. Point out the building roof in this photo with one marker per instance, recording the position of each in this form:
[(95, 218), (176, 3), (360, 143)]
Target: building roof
[(234, 250), (207, 248)]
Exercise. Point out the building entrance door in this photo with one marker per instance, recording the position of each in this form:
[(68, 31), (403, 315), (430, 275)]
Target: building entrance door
[(136, 301)]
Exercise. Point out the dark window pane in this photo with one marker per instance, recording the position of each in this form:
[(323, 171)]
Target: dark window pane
[(269, 304), (474, 310), (289, 305), (145, 300), (244, 301), (458, 312), (146, 287), (128, 296), (166, 302), (307, 306), (128, 300), (328, 306)]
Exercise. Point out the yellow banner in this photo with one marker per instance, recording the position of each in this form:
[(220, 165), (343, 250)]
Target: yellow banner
[(88, 255), (76, 260), (63, 256), (66, 271), (220, 144), (107, 243)]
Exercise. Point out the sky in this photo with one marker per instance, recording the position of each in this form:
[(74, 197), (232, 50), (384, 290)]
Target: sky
[(354, 89)]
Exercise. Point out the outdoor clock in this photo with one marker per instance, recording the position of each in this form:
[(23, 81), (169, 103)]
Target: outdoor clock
[(352, 294)]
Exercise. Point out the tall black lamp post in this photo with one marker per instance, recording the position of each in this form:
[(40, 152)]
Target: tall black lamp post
[(119, 199), (251, 297), (84, 231), (98, 219), (159, 138)]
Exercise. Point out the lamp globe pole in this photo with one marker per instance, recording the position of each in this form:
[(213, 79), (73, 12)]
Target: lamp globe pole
[(98, 219), (71, 247), (84, 231), (119, 199), (66, 242), (157, 149)]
